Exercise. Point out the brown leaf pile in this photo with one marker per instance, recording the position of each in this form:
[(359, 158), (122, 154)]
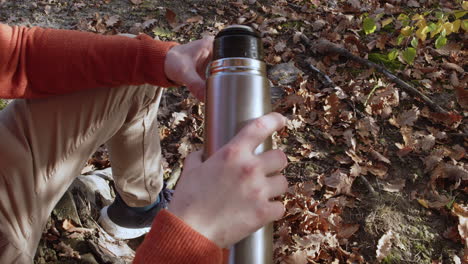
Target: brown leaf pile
[(347, 140)]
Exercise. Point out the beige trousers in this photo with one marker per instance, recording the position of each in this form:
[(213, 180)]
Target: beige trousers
[(44, 144)]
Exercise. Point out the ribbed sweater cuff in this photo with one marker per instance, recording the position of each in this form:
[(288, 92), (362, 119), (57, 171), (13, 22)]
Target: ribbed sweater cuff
[(172, 241), (153, 55)]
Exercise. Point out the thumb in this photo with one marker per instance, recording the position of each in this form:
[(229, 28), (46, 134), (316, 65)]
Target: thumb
[(193, 160)]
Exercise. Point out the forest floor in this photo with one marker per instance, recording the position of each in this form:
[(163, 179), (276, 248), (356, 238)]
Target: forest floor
[(376, 173)]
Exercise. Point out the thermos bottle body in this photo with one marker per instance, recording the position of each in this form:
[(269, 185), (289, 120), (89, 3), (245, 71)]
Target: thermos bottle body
[(237, 92)]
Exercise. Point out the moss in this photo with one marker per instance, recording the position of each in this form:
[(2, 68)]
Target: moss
[(391, 259), (292, 24), (420, 247), (355, 71), (3, 104)]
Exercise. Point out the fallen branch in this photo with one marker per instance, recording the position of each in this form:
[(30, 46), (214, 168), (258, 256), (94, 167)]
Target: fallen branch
[(325, 47), (463, 135)]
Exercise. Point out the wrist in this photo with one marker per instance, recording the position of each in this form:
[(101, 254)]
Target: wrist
[(190, 220), (171, 56)]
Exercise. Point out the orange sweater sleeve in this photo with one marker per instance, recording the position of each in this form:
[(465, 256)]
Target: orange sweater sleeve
[(37, 62), (171, 241)]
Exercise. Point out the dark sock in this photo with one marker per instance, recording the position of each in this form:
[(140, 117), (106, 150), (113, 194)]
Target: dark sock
[(146, 208)]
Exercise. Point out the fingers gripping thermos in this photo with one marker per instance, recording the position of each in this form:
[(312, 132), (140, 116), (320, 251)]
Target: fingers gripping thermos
[(237, 92)]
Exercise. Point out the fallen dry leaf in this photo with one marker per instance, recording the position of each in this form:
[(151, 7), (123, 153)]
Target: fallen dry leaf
[(67, 225), (349, 139), (427, 142), (298, 257), (148, 23), (334, 134), (434, 200), (340, 181), (406, 118), (462, 96), (171, 18), (112, 21), (413, 3), (457, 152), (433, 159), (312, 241), (332, 107), (462, 213), (355, 3), (379, 170), (450, 120), (356, 170), (367, 127), (453, 66), (448, 171), (407, 134), (194, 19), (347, 230), (384, 245), (185, 147), (394, 186), (176, 118)]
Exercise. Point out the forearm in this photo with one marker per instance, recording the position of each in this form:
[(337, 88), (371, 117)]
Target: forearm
[(171, 241), (39, 62)]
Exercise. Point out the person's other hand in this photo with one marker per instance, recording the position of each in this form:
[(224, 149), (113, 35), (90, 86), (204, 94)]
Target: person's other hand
[(229, 196), (186, 65)]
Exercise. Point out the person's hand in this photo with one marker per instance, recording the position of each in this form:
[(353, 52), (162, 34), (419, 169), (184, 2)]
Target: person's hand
[(186, 65), (229, 196)]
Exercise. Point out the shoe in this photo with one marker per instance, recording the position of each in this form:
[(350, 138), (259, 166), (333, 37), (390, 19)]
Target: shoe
[(125, 222)]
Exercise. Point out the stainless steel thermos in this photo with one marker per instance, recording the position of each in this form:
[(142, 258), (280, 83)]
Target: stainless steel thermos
[(237, 92)]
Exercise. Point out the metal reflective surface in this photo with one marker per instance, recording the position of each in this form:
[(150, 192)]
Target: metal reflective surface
[(246, 65), (238, 92), (256, 248)]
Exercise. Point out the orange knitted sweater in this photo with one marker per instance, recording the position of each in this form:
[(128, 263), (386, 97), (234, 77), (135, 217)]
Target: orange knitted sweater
[(37, 62)]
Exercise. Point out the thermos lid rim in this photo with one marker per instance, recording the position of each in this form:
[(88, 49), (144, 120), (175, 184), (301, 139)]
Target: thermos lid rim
[(237, 30)]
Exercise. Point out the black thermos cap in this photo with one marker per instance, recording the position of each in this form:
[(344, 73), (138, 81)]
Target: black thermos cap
[(238, 41)]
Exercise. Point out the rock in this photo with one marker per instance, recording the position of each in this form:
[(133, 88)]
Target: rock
[(284, 73), (106, 174), (276, 93), (95, 189), (318, 25), (66, 209)]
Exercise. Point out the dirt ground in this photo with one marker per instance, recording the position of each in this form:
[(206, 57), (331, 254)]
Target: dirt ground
[(396, 192)]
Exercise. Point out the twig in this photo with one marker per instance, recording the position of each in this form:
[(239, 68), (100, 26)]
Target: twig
[(370, 94), (368, 185), (322, 77), (324, 47)]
